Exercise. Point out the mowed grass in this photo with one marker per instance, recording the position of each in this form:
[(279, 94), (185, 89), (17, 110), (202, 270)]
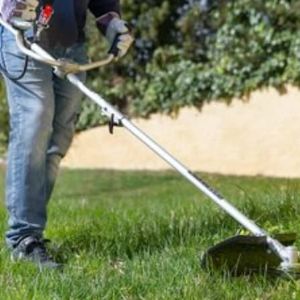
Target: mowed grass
[(139, 235)]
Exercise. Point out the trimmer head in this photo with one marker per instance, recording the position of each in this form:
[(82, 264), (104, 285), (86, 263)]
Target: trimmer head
[(247, 254)]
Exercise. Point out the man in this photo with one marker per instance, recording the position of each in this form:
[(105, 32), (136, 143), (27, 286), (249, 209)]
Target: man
[(43, 109)]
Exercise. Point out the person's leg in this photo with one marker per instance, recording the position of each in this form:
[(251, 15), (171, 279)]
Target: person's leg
[(67, 108), (31, 109)]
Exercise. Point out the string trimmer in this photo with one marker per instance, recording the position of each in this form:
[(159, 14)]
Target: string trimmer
[(239, 254)]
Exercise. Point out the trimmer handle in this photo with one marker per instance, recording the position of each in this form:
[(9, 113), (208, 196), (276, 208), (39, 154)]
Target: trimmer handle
[(33, 50), (45, 14), (114, 50), (44, 17)]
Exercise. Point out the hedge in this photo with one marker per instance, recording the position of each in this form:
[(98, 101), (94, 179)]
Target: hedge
[(188, 53)]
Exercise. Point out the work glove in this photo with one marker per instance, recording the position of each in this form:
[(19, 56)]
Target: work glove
[(117, 34), (18, 10)]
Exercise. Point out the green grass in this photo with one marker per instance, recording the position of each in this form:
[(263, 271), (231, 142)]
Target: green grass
[(138, 235)]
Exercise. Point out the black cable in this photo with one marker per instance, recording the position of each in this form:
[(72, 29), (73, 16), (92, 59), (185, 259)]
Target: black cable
[(3, 67)]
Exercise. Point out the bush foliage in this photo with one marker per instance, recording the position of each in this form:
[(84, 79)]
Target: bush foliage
[(188, 52)]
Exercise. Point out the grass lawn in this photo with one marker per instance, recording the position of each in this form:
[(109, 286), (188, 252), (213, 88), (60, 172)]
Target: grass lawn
[(138, 235)]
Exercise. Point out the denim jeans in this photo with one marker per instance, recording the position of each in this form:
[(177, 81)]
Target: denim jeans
[(43, 110)]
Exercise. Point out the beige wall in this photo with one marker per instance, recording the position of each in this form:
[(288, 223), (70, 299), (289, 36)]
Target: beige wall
[(261, 136)]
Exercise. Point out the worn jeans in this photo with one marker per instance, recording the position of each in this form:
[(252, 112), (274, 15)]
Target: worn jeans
[(43, 109)]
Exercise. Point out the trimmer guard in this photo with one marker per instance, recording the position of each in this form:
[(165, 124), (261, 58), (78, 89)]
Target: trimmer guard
[(243, 254)]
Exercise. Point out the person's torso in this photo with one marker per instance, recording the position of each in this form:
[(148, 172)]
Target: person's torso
[(67, 23)]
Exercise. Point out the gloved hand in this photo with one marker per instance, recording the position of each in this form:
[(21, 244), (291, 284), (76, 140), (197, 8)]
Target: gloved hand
[(23, 10), (118, 35), (116, 32)]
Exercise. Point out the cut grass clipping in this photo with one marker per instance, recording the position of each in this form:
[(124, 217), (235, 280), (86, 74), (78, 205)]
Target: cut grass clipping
[(139, 235)]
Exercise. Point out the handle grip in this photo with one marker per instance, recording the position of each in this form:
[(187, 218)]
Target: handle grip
[(114, 47)]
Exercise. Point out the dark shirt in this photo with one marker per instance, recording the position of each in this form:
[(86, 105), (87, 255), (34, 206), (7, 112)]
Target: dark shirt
[(68, 22)]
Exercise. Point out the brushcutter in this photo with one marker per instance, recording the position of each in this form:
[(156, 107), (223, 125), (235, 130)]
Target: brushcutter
[(238, 254)]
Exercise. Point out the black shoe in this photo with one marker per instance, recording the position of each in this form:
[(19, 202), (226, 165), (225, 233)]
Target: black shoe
[(33, 249)]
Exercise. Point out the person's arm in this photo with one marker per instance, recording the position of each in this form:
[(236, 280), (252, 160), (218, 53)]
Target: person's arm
[(108, 20), (104, 11), (101, 7)]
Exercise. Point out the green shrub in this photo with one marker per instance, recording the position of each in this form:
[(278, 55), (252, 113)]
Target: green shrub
[(187, 55)]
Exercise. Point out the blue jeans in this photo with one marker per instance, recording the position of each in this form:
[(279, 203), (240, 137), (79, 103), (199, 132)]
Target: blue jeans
[(43, 110)]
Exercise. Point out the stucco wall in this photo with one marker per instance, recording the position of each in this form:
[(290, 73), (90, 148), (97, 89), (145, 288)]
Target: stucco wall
[(260, 136)]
